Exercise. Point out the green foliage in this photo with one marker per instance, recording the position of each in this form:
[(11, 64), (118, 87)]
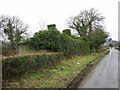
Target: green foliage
[(85, 44), (55, 41), (51, 26), (67, 31), (97, 38), (45, 40), (17, 66), (69, 46), (66, 43)]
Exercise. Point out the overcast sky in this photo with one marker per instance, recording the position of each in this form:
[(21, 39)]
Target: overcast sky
[(32, 12)]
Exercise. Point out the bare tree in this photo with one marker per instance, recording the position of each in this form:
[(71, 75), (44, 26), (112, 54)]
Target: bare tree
[(85, 22), (3, 36), (13, 29)]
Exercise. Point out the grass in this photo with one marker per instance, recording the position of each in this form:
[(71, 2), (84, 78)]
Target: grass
[(58, 76)]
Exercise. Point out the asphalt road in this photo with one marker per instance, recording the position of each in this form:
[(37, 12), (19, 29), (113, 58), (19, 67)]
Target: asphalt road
[(105, 74)]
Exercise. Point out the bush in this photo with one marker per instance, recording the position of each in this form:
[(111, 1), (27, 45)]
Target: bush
[(17, 66), (68, 45), (45, 40), (67, 31), (85, 45), (53, 40)]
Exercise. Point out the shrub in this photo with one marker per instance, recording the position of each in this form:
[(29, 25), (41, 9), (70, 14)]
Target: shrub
[(68, 45), (67, 31), (17, 66), (85, 45), (45, 40), (55, 41)]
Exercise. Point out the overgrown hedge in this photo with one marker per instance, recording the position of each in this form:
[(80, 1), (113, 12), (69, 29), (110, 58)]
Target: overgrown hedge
[(17, 66), (55, 41), (71, 47), (45, 40)]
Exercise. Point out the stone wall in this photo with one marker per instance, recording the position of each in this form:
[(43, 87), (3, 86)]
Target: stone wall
[(25, 49)]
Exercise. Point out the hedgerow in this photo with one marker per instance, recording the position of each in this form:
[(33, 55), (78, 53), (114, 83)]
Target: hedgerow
[(17, 66)]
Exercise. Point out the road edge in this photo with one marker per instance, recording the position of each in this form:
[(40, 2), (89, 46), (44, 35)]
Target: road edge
[(89, 67)]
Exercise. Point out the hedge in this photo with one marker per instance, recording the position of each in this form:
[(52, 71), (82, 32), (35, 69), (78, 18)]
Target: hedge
[(71, 47), (17, 66), (55, 41), (68, 45)]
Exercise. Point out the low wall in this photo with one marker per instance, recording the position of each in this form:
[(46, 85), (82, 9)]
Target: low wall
[(25, 49)]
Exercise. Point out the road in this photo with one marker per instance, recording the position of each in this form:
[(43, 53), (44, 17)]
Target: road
[(105, 74)]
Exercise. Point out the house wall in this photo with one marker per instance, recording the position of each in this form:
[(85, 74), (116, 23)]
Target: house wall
[(25, 49)]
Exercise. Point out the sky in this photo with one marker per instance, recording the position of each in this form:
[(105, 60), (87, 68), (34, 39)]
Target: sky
[(43, 12)]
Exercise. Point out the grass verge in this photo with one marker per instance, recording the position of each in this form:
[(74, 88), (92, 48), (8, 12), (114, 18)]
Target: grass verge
[(59, 76)]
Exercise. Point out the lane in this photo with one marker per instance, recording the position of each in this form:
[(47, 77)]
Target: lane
[(105, 74)]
